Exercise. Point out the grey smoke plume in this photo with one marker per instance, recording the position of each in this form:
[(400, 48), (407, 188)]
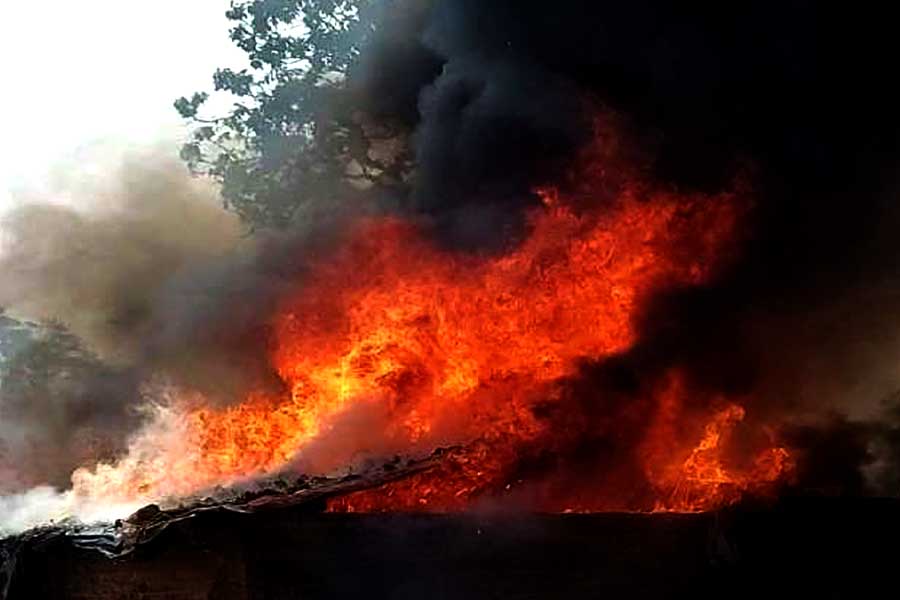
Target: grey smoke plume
[(99, 267), (141, 276)]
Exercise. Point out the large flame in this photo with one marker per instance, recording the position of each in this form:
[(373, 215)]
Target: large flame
[(394, 344)]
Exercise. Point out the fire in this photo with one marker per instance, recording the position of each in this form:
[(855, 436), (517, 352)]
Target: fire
[(704, 483), (394, 344), (702, 480)]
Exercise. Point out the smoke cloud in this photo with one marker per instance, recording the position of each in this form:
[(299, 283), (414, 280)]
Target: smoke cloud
[(101, 265), (793, 96), (501, 96), (140, 277)]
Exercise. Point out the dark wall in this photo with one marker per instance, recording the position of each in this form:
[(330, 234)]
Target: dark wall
[(808, 548)]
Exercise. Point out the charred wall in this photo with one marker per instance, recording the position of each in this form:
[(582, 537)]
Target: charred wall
[(801, 548)]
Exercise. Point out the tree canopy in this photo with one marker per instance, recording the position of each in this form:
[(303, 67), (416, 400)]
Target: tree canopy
[(294, 127)]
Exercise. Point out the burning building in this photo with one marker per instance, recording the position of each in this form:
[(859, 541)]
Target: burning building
[(645, 266)]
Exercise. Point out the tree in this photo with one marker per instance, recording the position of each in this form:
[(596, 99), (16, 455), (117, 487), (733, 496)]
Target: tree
[(60, 407), (14, 336), (294, 129)]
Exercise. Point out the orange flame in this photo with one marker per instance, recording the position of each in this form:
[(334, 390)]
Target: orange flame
[(702, 481), (396, 345)]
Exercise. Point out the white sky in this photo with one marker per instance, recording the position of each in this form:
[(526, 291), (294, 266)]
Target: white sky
[(82, 74)]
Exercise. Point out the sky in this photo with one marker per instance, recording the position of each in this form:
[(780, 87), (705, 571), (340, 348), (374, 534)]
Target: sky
[(91, 79)]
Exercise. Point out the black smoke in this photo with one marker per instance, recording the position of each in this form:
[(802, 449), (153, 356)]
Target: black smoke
[(797, 95)]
